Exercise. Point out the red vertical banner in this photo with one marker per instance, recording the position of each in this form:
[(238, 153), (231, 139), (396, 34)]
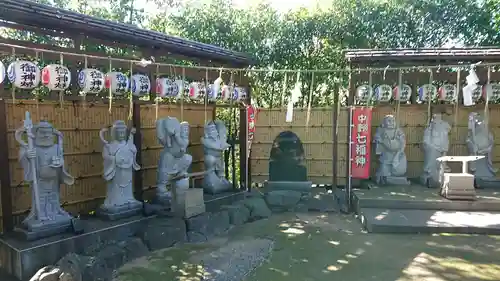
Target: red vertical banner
[(361, 142), (251, 116)]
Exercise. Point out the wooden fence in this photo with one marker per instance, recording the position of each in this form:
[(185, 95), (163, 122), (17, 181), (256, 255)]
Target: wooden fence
[(80, 125), (318, 145)]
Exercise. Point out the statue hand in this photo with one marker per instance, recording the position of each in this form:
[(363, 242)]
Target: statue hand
[(31, 153)]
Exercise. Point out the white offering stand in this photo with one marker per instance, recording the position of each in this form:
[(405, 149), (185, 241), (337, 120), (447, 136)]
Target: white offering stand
[(457, 186)]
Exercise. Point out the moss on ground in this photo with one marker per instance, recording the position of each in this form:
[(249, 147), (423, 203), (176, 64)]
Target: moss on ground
[(333, 247)]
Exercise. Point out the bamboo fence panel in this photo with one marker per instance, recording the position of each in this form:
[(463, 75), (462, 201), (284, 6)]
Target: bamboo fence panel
[(317, 138), (82, 147)]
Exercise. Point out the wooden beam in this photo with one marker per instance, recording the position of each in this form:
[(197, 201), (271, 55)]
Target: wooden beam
[(136, 123), (5, 182)]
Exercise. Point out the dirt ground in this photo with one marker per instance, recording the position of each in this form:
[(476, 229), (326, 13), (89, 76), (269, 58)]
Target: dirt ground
[(334, 247)]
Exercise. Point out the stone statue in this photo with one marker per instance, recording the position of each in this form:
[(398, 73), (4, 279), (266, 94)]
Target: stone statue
[(119, 164), (43, 163), (480, 143), (214, 143), (390, 146), (174, 160), (436, 143)]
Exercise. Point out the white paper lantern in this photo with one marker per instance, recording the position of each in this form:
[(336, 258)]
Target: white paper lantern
[(226, 93), (427, 92), (492, 90), (2, 72), (405, 93), (196, 90), (477, 93), (117, 82), (24, 74), (180, 87), (213, 92), (141, 85), (383, 93), (165, 87), (448, 92), (239, 94), (56, 77), (364, 93), (91, 81)]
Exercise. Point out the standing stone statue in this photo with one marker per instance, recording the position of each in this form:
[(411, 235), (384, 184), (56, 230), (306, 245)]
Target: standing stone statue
[(480, 143), (174, 160), (214, 143), (436, 143), (119, 164), (43, 163), (390, 146)]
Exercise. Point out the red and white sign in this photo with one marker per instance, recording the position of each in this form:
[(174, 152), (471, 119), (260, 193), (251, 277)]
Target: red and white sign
[(360, 142), (251, 116)]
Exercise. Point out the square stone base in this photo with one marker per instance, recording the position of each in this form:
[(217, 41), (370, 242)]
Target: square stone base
[(120, 212), (42, 232)]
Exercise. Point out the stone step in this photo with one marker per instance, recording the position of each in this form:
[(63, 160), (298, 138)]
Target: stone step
[(379, 220), (443, 204)]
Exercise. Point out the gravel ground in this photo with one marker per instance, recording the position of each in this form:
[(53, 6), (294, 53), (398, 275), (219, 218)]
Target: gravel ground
[(235, 260)]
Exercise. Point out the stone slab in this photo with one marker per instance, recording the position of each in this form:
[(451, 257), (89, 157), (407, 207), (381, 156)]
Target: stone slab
[(302, 186), (429, 221), (44, 232), (119, 214)]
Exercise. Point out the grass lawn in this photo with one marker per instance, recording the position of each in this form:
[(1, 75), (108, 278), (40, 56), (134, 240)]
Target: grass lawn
[(334, 247)]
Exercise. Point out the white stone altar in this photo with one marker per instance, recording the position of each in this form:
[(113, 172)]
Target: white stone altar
[(457, 186), (119, 164)]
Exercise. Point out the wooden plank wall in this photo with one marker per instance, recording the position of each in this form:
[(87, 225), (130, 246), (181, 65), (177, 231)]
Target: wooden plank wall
[(82, 147), (317, 138)]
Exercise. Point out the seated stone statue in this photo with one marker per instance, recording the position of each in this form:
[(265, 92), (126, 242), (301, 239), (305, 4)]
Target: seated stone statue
[(436, 143), (174, 160), (43, 163), (214, 181), (480, 143), (390, 146), (119, 164)]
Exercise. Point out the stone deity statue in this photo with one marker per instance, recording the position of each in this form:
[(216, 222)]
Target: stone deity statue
[(214, 143), (119, 156), (174, 160), (390, 146), (43, 163), (436, 144), (480, 143)]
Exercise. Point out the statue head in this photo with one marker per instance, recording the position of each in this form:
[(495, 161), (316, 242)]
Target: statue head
[(389, 122), (476, 123), (44, 134), (184, 130), (119, 130), (211, 130)]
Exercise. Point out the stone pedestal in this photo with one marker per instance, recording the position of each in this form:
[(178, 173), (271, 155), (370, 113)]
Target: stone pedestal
[(42, 229), (458, 186), (188, 203), (397, 181), (120, 212)]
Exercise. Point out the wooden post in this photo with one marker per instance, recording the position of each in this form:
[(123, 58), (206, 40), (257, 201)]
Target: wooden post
[(136, 123), (335, 144), (6, 191)]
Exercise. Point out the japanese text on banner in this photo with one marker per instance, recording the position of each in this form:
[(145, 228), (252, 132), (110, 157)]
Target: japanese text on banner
[(360, 142)]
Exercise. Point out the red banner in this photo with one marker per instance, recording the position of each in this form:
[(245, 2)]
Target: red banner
[(360, 142)]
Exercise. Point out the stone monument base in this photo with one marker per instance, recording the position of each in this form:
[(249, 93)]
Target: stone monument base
[(44, 229), (120, 212), (302, 186), (487, 183), (397, 181)]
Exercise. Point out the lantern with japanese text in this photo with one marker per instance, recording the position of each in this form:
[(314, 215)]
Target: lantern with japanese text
[(448, 92), (492, 90), (117, 82), (213, 92), (24, 74), (56, 77), (2, 72), (226, 92), (405, 93), (181, 87), (141, 85), (427, 92), (364, 93), (165, 87), (196, 90), (477, 93), (383, 93), (239, 94), (91, 81)]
